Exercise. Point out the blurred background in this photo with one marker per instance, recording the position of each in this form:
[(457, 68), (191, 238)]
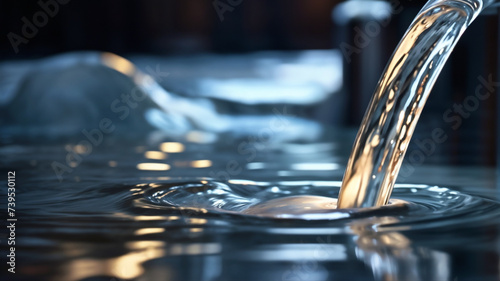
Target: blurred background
[(215, 47), (174, 27)]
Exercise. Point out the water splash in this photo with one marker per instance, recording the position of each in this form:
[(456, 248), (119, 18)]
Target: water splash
[(416, 206)]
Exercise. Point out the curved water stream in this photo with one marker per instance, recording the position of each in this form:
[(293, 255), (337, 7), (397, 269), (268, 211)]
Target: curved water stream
[(400, 96)]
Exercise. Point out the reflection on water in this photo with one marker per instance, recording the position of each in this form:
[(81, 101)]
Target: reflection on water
[(109, 218), (172, 147), (156, 155), (391, 256), (153, 166), (127, 266)]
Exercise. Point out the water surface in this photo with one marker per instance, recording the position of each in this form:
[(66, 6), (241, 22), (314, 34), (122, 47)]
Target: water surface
[(108, 217)]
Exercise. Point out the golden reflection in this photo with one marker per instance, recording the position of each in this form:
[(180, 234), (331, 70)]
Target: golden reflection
[(142, 218), (402, 133), (112, 163), (172, 147), (201, 163), (149, 218), (196, 221), (128, 266), (391, 255), (138, 245), (153, 166), (156, 155), (375, 139), (351, 194), (118, 63), (151, 230), (81, 149), (196, 230), (402, 146), (173, 218), (409, 119)]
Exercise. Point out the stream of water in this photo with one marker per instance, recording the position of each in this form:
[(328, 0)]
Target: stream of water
[(398, 101), (392, 115)]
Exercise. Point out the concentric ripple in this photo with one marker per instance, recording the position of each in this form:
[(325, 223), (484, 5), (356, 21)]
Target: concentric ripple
[(415, 206)]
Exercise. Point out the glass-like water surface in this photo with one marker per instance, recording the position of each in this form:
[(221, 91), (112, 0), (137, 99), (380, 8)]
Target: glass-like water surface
[(115, 217)]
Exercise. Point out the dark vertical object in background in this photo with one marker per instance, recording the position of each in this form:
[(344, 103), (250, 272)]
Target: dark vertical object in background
[(279, 31), (497, 124), (366, 52), (366, 40), (229, 33)]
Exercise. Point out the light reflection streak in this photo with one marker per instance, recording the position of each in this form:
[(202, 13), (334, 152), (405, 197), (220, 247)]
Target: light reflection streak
[(118, 63), (128, 266), (196, 221), (172, 147), (201, 163), (153, 166), (256, 166), (315, 166), (149, 218), (391, 256), (145, 231), (156, 155), (294, 252), (194, 249), (247, 182)]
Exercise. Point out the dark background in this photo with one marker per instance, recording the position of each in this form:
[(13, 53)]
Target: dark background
[(187, 27), (171, 27)]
